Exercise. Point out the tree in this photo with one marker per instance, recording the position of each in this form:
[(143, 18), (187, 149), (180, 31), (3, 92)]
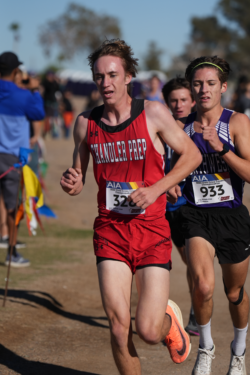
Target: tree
[(15, 27), (236, 11), (238, 16), (231, 41), (77, 30), (152, 60)]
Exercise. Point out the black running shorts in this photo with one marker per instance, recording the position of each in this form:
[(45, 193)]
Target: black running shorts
[(9, 184), (227, 229), (174, 219)]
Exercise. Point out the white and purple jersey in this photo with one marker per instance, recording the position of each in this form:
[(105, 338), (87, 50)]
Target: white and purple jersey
[(213, 183)]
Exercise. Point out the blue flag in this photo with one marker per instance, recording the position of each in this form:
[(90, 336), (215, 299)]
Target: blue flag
[(23, 157)]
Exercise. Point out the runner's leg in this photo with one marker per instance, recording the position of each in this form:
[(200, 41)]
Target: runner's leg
[(182, 252), (234, 276), (115, 279), (152, 323), (200, 257)]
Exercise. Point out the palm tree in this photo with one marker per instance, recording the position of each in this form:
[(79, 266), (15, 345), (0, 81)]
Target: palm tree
[(15, 27)]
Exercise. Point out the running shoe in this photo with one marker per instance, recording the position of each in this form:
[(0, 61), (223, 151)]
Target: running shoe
[(203, 362), (191, 328), (17, 261), (177, 340), (237, 364)]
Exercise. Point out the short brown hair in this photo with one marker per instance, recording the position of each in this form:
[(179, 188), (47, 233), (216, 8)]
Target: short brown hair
[(223, 64), (175, 84), (115, 47)]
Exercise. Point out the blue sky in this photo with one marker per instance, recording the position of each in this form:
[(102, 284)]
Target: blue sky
[(164, 21)]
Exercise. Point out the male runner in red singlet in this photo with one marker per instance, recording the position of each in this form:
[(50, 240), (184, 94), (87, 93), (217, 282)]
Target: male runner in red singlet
[(125, 137), (214, 220)]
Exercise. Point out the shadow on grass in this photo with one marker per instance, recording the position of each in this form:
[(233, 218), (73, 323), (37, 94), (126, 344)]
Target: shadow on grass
[(50, 303), (25, 367)]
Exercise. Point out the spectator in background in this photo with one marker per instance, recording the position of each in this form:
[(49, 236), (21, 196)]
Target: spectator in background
[(67, 112), (238, 103), (155, 90), (17, 107), (23, 80), (242, 104), (51, 87)]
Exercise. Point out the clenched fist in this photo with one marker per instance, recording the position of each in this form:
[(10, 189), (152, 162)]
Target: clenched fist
[(71, 181), (210, 134), (143, 197)]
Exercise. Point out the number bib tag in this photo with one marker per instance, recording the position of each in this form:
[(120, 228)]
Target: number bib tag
[(212, 188), (117, 194)]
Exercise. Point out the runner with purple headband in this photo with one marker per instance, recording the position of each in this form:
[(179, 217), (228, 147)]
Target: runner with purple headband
[(215, 222)]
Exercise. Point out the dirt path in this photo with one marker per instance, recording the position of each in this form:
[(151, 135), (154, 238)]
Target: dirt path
[(54, 323)]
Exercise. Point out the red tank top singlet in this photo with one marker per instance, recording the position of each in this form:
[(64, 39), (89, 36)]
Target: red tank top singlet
[(124, 158)]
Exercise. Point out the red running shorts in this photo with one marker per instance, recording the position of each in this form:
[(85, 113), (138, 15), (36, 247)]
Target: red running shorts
[(138, 243)]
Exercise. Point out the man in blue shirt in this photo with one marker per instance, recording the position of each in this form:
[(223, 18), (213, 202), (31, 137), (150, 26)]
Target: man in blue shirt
[(178, 97), (17, 107)]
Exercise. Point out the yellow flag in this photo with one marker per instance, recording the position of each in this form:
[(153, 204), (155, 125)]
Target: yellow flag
[(32, 186)]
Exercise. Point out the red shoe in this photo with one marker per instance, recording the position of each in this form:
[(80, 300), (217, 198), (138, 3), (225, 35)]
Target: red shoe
[(177, 340)]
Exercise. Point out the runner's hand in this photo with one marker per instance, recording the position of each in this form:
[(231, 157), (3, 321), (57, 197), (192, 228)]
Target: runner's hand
[(210, 134), (143, 197), (71, 181), (173, 194)]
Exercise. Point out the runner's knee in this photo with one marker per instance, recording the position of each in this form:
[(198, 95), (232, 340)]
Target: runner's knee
[(203, 289), (150, 333), (235, 296)]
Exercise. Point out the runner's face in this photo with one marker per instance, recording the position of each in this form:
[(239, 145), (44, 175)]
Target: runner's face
[(207, 88), (111, 79), (180, 103)]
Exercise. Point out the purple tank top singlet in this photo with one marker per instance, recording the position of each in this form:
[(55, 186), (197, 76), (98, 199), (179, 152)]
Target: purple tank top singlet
[(213, 183)]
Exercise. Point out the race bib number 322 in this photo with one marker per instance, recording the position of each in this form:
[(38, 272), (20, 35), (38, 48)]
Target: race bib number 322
[(117, 197), (212, 188)]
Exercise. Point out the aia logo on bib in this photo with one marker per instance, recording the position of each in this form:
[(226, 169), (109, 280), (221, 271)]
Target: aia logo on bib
[(113, 185), (199, 178)]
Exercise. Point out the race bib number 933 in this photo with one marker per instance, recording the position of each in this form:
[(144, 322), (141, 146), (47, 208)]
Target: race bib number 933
[(117, 197), (212, 188)]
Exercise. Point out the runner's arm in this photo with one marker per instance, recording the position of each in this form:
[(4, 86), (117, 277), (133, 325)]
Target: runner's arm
[(240, 134), (189, 155), (73, 179), (159, 117)]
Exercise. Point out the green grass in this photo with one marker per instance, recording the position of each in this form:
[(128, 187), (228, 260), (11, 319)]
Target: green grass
[(52, 229), (49, 253)]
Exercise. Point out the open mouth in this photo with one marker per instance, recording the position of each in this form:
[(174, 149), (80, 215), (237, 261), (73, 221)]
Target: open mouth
[(108, 94)]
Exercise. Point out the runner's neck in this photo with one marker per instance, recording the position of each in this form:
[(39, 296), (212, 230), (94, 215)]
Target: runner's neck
[(118, 113), (209, 118)]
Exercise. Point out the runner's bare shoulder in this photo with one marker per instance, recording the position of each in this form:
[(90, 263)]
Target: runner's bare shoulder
[(81, 125), (239, 124), (154, 108), (157, 112)]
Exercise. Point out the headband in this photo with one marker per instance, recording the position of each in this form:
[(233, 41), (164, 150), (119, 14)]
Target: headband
[(206, 62)]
